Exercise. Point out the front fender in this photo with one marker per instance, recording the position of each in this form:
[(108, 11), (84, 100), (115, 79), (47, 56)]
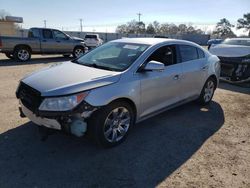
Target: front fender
[(105, 95)]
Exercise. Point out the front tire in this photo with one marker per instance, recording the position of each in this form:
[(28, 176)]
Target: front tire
[(78, 51), (22, 54), (207, 92), (110, 125)]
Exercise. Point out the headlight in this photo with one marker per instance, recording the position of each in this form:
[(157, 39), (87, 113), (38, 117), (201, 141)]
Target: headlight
[(62, 103)]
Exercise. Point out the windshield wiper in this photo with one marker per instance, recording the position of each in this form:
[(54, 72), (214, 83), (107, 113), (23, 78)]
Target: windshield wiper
[(94, 65), (102, 67)]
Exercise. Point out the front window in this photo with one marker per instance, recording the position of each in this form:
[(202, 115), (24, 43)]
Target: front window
[(59, 35), (113, 56), (236, 42)]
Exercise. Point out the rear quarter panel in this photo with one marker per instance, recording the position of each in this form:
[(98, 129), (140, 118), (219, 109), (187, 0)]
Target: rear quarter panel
[(214, 68), (9, 43)]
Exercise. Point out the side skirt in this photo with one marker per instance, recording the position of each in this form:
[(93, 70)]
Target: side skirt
[(167, 108)]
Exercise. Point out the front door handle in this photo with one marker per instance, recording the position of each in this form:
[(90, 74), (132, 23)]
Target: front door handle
[(204, 68), (176, 77)]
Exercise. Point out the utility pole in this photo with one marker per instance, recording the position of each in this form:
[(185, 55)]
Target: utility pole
[(45, 22), (81, 24), (139, 16)]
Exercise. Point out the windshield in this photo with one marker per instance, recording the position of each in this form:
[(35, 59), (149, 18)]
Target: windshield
[(237, 42), (113, 56)]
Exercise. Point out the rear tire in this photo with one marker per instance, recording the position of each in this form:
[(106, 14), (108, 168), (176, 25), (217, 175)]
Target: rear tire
[(110, 125), (9, 55), (22, 54), (207, 92)]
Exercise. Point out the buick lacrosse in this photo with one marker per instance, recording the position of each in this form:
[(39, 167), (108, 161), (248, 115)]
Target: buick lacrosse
[(107, 90)]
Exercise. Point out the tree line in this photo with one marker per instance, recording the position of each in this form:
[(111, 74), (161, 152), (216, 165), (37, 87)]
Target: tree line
[(223, 28)]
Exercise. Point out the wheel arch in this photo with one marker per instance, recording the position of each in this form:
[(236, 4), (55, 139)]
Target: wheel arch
[(78, 46), (23, 45), (213, 76), (126, 100)]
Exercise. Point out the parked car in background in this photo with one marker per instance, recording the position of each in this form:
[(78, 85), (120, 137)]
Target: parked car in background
[(93, 40), (234, 55), (213, 42), (106, 91), (41, 41)]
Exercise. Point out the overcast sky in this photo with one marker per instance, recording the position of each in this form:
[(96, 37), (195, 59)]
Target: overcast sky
[(105, 15)]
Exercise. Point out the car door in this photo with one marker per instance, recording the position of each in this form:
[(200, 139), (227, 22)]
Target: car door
[(63, 43), (160, 89), (48, 43), (194, 69)]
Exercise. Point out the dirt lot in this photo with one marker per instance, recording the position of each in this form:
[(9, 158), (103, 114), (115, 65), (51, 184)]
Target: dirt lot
[(189, 146)]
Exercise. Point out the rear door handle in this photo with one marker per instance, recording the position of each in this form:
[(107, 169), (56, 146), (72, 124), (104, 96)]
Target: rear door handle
[(176, 77)]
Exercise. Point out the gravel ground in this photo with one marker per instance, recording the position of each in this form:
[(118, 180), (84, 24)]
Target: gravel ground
[(188, 146)]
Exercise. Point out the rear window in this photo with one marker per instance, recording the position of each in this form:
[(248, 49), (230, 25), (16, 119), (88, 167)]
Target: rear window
[(33, 33), (91, 36), (237, 42), (188, 53), (201, 54)]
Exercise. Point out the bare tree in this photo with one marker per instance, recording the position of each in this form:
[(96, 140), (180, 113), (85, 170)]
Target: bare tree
[(157, 26), (150, 29), (132, 27), (122, 29), (244, 23)]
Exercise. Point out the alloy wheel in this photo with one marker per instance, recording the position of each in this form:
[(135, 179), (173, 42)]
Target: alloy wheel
[(209, 91), (23, 55), (117, 124), (78, 52)]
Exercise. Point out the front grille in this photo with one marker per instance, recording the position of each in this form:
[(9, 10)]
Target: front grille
[(29, 97), (230, 60)]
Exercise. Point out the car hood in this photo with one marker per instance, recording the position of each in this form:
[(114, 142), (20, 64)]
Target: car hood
[(223, 50), (67, 78), (78, 39)]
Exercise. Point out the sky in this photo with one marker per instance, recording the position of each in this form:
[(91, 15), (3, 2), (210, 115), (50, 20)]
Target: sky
[(105, 15)]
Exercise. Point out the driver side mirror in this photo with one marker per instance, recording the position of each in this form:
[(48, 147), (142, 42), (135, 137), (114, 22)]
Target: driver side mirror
[(154, 66)]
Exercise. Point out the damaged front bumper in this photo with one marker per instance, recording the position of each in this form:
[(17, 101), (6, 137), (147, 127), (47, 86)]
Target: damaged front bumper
[(73, 122), (235, 69)]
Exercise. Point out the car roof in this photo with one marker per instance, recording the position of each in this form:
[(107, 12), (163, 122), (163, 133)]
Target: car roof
[(43, 28), (153, 41)]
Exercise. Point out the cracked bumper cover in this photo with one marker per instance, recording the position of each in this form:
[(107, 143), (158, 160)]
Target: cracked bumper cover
[(57, 119)]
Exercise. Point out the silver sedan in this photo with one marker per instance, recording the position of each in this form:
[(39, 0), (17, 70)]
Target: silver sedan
[(106, 91)]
